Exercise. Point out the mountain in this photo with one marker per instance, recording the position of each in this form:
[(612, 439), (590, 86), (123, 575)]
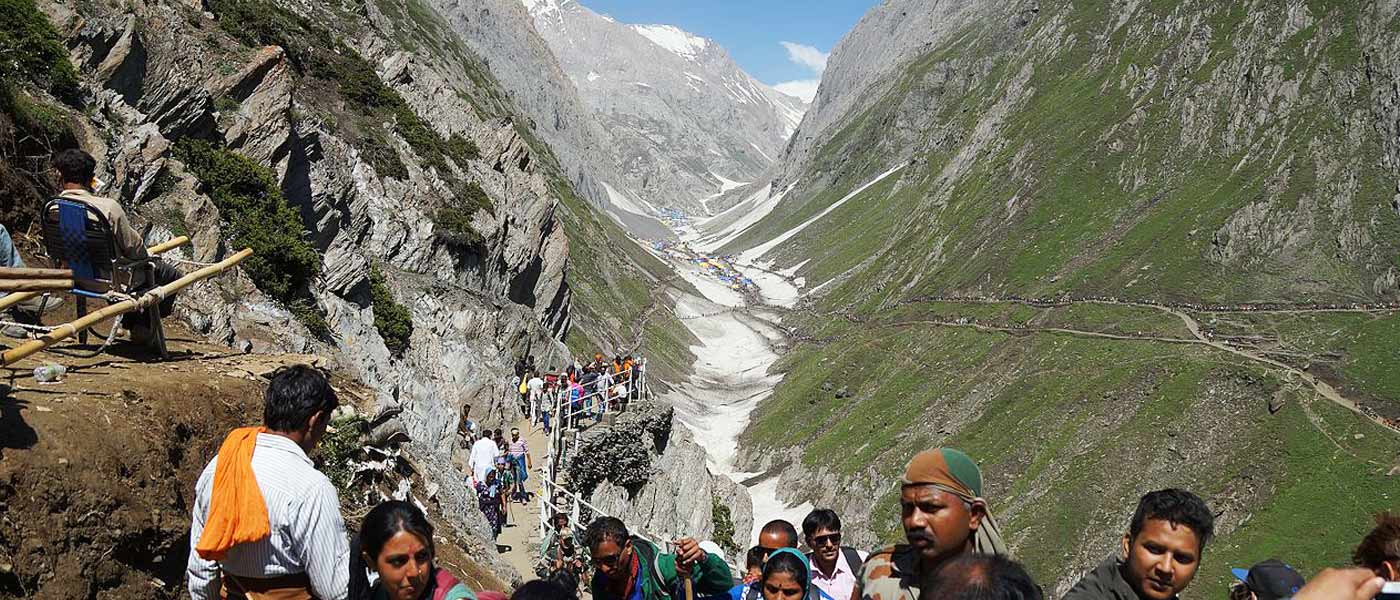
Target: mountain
[(687, 122), (1105, 248)]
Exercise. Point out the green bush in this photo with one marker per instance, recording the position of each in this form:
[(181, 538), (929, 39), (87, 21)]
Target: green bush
[(473, 198), (454, 227), (462, 149), (31, 51), (256, 215), (724, 525), (340, 449), (393, 320), (382, 156)]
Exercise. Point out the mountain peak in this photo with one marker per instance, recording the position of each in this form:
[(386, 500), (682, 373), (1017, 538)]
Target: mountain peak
[(672, 38)]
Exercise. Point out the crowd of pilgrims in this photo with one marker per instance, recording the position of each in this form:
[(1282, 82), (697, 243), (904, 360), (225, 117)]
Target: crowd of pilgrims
[(267, 524), (582, 390)]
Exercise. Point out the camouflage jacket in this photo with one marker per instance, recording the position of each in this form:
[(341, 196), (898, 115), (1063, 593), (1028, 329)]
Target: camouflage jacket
[(890, 574)]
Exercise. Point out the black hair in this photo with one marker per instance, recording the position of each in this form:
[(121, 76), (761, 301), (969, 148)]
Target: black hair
[(980, 577), (1180, 507), (786, 562), (606, 529), (786, 528), (547, 589), (294, 395), (387, 520), (75, 166), (819, 519), (755, 557)]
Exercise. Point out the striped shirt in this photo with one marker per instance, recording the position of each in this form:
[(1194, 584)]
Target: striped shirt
[(308, 535)]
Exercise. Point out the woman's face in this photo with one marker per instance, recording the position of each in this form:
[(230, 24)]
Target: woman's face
[(404, 565), (781, 586)]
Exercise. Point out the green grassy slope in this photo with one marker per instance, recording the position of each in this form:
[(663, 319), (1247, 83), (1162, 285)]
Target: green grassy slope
[(1190, 151)]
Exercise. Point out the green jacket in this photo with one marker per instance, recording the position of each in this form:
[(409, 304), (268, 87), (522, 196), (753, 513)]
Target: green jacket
[(659, 580)]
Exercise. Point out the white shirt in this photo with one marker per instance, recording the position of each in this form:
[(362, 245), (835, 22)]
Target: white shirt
[(484, 453), (308, 534), (536, 384)]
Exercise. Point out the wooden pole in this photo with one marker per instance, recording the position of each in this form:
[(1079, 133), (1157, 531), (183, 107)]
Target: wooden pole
[(28, 273), (35, 285), (70, 329), (161, 248)]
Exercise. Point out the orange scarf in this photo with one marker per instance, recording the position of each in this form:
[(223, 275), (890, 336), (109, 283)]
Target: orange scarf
[(237, 512)]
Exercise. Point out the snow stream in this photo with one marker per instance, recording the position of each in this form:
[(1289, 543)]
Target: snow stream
[(730, 377)]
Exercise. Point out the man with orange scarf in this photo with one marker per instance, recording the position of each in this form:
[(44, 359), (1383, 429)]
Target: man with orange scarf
[(944, 517), (266, 523)]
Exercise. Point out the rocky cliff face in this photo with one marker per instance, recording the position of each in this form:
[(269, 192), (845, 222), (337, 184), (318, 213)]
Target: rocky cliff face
[(688, 123), (646, 469)]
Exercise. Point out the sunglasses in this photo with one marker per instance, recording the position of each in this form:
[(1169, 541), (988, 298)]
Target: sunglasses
[(830, 539), (610, 561)]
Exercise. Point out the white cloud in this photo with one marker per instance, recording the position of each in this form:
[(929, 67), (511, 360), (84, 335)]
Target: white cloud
[(806, 89), (807, 56)]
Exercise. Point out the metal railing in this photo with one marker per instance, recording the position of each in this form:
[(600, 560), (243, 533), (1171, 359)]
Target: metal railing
[(554, 461)]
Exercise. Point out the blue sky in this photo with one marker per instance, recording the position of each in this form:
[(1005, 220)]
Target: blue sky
[(754, 31)]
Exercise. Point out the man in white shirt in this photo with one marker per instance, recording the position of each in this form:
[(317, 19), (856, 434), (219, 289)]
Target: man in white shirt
[(536, 385), (306, 553), (834, 566), (484, 453)]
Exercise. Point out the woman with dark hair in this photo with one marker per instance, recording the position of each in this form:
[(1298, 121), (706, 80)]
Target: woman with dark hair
[(397, 543), (788, 576)]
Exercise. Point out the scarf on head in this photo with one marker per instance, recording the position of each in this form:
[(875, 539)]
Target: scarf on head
[(237, 512), (954, 472), (806, 564)]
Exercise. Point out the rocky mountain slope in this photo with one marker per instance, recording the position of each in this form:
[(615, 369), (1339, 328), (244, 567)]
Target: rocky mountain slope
[(1178, 165), (687, 123), (408, 221)]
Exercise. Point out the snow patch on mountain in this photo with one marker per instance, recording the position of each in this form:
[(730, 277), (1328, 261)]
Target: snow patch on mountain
[(674, 39)]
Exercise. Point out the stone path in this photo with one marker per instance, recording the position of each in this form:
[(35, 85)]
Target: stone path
[(521, 537)]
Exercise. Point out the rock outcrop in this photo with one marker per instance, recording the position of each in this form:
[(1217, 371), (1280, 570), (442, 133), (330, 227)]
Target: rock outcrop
[(646, 469)]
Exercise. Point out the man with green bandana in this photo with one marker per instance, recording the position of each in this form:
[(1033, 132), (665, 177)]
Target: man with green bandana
[(944, 517)]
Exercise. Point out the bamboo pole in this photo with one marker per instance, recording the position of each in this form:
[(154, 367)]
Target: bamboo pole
[(161, 248), (28, 273), (33, 285), (70, 329)]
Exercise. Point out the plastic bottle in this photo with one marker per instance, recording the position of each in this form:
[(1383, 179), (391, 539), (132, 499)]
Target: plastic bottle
[(50, 373)]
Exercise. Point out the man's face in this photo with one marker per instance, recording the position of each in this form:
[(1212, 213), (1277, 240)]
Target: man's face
[(937, 522), (826, 545), (612, 560), (1162, 559)]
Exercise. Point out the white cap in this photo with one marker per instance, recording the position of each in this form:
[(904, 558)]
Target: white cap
[(712, 548)]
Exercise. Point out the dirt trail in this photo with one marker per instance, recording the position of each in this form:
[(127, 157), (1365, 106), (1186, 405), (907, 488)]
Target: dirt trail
[(521, 540)]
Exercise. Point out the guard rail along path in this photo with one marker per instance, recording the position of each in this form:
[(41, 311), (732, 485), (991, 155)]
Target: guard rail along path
[(564, 442)]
